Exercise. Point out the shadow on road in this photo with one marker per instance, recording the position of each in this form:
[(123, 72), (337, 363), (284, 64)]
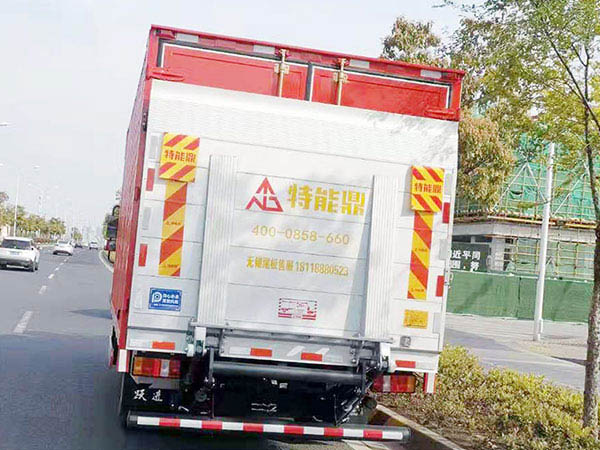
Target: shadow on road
[(97, 313)]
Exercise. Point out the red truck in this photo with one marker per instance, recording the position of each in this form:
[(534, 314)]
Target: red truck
[(283, 238)]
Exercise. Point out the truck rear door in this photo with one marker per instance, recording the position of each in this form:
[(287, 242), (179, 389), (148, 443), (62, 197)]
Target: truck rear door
[(298, 221)]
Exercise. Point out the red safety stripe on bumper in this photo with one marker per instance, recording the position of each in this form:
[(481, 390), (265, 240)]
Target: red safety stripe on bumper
[(215, 425), (169, 422)]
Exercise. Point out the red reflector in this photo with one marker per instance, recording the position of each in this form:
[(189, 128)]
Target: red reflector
[(446, 212), (439, 288), (163, 345), (407, 364), (150, 180), (167, 422), (262, 352), (293, 429), (174, 368), (143, 254), (311, 356)]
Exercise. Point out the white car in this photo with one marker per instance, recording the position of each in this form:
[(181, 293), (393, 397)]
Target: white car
[(19, 251), (94, 245), (63, 248)]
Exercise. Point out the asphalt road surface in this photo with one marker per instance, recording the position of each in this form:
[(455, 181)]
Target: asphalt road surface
[(56, 391)]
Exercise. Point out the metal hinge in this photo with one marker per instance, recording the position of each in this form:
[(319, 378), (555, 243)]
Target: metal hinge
[(145, 121), (340, 78)]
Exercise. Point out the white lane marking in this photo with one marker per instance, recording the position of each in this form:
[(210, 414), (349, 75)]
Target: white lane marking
[(61, 263), (103, 261), (50, 276), (43, 289), (56, 269), (20, 328), (529, 361)]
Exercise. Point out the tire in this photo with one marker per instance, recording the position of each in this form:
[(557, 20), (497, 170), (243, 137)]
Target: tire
[(2, 266), (37, 265), (31, 267), (122, 411)]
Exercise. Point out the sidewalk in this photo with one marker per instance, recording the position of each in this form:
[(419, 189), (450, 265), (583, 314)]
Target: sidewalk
[(500, 342)]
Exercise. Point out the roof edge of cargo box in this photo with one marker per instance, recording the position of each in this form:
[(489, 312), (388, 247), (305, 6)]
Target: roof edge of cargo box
[(453, 73)]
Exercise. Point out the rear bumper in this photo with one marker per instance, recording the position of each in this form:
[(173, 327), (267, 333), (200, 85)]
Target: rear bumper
[(22, 262), (272, 429)]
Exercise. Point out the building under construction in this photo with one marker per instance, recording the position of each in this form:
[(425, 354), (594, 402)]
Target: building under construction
[(508, 232), (495, 250)]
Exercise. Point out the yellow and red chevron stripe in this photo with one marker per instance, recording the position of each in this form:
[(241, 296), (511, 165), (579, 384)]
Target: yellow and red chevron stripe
[(419, 258), (427, 187), (172, 231), (178, 157)]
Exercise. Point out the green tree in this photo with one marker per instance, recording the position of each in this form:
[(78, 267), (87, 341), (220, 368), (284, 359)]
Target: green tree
[(4, 212), (77, 236), (56, 227), (484, 158), (413, 42), (537, 63)]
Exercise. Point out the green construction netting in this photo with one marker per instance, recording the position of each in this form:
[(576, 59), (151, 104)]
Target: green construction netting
[(522, 195)]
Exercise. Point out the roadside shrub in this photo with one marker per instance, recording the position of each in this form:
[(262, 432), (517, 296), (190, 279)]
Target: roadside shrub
[(496, 409)]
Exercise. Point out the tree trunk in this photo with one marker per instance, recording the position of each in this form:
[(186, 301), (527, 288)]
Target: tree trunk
[(592, 367)]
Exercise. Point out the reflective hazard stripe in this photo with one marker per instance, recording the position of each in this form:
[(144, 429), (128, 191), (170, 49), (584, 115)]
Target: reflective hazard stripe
[(419, 258), (284, 429), (178, 157), (427, 187), (123, 361), (429, 383), (172, 230)]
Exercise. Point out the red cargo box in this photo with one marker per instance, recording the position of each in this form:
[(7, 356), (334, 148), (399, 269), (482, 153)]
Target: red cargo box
[(269, 69)]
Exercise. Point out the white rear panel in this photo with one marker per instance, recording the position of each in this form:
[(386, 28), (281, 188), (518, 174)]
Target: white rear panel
[(330, 256)]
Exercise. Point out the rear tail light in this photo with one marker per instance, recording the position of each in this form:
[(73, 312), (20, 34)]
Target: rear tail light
[(156, 367), (395, 383)]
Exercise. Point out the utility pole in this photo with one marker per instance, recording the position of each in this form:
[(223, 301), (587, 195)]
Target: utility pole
[(539, 297), (16, 204)]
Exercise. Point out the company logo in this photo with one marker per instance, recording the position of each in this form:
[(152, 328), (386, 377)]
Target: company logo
[(265, 198)]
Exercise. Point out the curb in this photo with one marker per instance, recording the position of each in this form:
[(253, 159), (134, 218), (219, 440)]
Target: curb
[(422, 438)]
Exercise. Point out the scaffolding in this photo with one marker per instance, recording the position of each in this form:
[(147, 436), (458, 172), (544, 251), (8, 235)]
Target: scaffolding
[(521, 204), (565, 260), (522, 198)]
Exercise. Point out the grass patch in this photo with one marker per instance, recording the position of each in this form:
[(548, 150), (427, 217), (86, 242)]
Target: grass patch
[(496, 409)]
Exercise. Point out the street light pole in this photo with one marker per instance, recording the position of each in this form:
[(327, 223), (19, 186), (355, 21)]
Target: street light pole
[(16, 203), (539, 298)]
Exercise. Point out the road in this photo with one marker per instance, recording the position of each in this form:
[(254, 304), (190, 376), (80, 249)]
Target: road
[(500, 342), (56, 391)]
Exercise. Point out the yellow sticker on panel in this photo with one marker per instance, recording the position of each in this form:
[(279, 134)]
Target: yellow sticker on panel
[(415, 319)]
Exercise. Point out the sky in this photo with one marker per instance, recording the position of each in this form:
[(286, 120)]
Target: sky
[(71, 69)]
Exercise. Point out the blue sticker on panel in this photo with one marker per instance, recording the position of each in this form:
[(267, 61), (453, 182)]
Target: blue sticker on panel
[(165, 299)]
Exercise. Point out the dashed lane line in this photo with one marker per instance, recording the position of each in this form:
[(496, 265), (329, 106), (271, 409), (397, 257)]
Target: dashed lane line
[(56, 269), (42, 289), (20, 328), (50, 276)]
